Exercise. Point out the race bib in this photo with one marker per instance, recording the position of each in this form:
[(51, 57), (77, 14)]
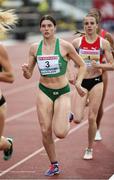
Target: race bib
[(48, 64), (87, 62), (89, 55)]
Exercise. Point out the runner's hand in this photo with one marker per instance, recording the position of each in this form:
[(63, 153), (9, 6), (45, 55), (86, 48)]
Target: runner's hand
[(95, 64), (82, 91), (26, 71)]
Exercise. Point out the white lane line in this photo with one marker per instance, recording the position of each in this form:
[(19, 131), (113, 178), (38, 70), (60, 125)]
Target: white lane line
[(42, 148), (19, 115), (21, 172), (39, 151)]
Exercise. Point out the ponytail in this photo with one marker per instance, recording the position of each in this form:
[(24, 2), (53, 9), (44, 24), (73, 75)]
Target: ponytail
[(79, 33), (7, 19)]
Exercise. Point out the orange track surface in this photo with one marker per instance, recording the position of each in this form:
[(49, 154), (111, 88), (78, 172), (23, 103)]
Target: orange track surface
[(29, 160)]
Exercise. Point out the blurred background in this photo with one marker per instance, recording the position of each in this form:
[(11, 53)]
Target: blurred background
[(68, 14)]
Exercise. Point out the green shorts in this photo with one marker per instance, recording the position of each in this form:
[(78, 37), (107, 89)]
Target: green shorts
[(53, 94)]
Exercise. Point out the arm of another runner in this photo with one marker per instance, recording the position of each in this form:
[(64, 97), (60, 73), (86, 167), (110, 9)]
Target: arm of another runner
[(81, 70), (6, 75), (109, 37), (72, 74), (109, 66), (28, 68)]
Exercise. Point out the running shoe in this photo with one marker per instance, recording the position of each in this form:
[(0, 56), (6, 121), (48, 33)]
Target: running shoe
[(8, 152), (71, 117), (98, 136), (88, 154), (53, 170)]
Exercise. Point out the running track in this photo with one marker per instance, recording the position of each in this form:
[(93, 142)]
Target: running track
[(29, 160)]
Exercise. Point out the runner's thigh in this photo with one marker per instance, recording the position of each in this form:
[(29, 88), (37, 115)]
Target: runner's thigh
[(62, 109), (44, 109), (95, 96)]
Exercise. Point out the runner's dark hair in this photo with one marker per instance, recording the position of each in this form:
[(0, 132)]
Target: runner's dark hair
[(48, 17)]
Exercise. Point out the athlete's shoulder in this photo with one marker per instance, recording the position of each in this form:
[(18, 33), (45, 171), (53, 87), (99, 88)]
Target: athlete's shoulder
[(105, 43), (2, 49), (34, 45), (77, 41), (66, 46), (2, 46), (109, 37), (64, 43)]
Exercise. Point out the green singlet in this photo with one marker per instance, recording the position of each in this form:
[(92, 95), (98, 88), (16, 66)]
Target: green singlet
[(53, 65)]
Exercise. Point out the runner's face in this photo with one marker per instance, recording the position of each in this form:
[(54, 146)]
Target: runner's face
[(47, 28), (90, 25)]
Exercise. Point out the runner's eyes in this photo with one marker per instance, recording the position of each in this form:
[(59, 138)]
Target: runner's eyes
[(46, 26), (89, 23)]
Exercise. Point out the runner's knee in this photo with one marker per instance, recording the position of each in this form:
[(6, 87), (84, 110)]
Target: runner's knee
[(61, 133), (78, 118)]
